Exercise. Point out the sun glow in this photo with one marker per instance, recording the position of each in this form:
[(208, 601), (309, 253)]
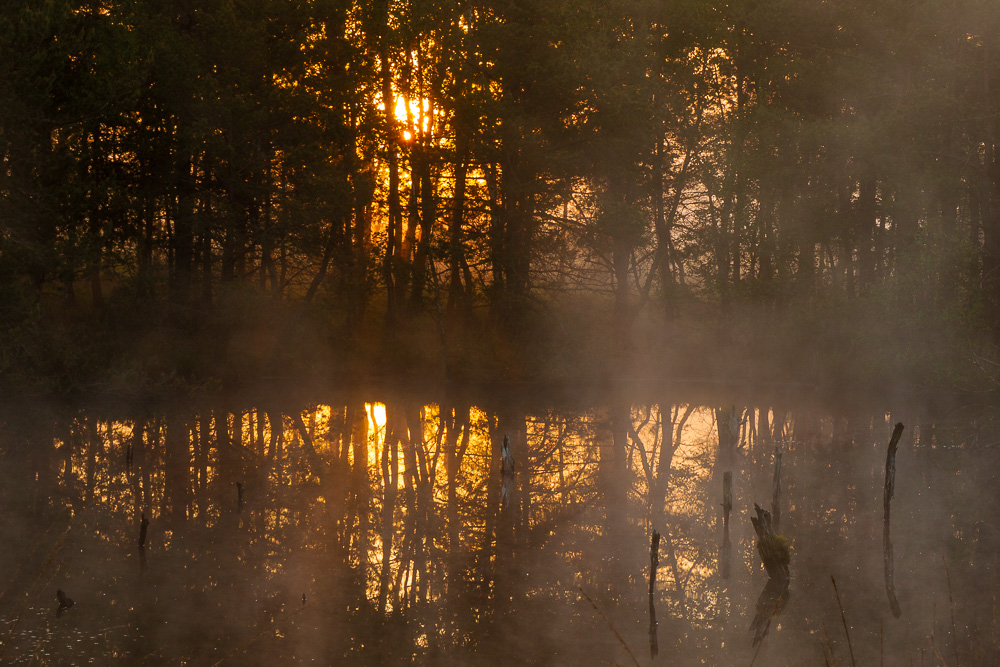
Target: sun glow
[(376, 416), (413, 115)]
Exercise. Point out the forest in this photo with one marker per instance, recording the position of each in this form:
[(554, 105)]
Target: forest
[(206, 194), (498, 332)]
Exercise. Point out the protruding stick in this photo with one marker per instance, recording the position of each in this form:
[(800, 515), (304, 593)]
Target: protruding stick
[(843, 619), (654, 561), (143, 525), (890, 484), (725, 552), (506, 473), (776, 492)]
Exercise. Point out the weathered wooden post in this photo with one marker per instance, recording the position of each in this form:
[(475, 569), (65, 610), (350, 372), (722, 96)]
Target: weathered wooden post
[(143, 525), (775, 555), (654, 561), (776, 492), (726, 550), (890, 483), (506, 473)]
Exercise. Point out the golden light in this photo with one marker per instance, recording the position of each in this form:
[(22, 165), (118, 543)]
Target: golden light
[(376, 416), (411, 115), (376, 430)]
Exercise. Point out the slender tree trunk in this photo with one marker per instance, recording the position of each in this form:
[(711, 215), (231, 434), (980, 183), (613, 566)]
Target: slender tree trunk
[(390, 483), (183, 231), (394, 217), (361, 491), (456, 294), (428, 211)]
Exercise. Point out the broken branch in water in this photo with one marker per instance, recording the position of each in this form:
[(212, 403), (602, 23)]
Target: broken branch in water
[(245, 645), (775, 556), (890, 484), (143, 525), (654, 561), (64, 602), (843, 619), (610, 625), (726, 550), (776, 491), (506, 473), (773, 548)]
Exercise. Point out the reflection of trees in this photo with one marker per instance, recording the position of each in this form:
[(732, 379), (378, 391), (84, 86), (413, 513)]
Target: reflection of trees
[(392, 527)]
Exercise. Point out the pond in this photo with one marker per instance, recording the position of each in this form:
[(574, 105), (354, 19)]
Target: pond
[(367, 527)]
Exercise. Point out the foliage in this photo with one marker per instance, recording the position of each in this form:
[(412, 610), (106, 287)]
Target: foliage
[(420, 184)]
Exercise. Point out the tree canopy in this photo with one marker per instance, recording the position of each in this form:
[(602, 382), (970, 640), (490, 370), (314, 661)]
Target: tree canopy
[(483, 189)]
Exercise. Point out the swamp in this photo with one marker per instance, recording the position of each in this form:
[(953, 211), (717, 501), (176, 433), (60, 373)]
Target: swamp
[(375, 529), (499, 332)]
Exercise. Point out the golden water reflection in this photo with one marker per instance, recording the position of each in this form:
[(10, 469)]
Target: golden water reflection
[(285, 536)]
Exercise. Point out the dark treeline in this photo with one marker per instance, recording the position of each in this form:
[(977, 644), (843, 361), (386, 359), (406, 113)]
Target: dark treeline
[(498, 188)]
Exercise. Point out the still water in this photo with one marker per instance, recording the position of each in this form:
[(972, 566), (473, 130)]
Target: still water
[(368, 529)]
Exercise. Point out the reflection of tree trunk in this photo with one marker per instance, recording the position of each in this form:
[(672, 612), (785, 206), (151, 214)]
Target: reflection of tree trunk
[(671, 428), (454, 453), (390, 482), (728, 423), (336, 483), (176, 468), (227, 473), (135, 463), (359, 484), (422, 487), (670, 438), (615, 486), (408, 547), (867, 212), (258, 420), (201, 461), (490, 557), (521, 453), (726, 551), (770, 602), (142, 462), (40, 454), (94, 444), (65, 451), (763, 427), (276, 424)]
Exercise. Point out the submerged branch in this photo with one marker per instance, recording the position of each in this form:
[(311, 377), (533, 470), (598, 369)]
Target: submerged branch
[(610, 625), (889, 489), (654, 561)]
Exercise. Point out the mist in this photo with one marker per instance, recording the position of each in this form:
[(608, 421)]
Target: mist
[(369, 532), (278, 281)]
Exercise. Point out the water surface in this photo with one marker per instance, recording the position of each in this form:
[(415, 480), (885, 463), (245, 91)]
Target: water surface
[(368, 529)]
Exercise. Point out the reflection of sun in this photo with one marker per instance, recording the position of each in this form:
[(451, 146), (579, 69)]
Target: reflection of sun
[(376, 411), (376, 430)]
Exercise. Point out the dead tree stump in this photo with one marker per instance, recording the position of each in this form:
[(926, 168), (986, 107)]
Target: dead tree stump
[(889, 489)]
